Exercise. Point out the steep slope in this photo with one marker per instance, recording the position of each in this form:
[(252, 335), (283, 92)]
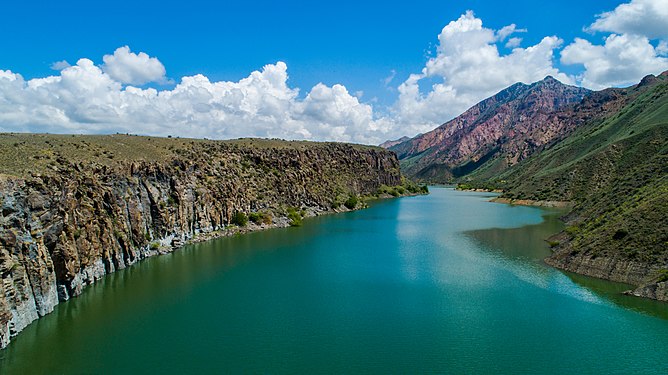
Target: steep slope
[(494, 134), (616, 171), (74, 208)]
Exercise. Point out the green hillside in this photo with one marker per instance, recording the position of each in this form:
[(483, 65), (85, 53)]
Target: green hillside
[(616, 172), (23, 153)]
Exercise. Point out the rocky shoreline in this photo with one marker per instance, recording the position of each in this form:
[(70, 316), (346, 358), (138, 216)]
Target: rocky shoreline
[(278, 222), (519, 202), (644, 276), (529, 202)]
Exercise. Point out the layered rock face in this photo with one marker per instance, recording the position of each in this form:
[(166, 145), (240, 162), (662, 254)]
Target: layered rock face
[(76, 219)]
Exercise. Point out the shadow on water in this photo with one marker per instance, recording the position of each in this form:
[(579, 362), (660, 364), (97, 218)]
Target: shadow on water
[(613, 292), (528, 244)]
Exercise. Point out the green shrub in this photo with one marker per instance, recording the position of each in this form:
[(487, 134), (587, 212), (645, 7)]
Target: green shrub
[(384, 189), (294, 217), (338, 201), (663, 275), (260, 218), (351, 202), (572, 230), (266, 219), (239, 218), (619, 234), (255, 217), (155, 245)]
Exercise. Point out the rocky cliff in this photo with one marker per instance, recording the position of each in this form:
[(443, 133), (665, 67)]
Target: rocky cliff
[(74, 208)]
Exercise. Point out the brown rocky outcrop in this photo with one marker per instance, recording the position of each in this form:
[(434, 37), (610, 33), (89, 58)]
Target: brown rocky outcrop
[(66, 225)]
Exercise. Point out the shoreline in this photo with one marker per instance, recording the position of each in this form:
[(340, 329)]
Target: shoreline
[(278, 222), (603, 268), (529, 202)]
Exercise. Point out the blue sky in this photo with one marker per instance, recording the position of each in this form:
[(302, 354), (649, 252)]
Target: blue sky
[(352, 43), (355, 43)]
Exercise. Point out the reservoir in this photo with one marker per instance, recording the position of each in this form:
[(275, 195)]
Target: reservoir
[(444, 283)]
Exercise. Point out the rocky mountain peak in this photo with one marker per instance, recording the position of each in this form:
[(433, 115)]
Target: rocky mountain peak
[(550, 83), (550, 79), (647, 80)]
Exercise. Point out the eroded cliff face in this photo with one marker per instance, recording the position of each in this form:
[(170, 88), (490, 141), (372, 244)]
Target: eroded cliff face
[(65, 227), (646, 276)]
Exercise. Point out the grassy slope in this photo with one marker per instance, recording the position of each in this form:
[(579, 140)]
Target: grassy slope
[(616, 170), (22, 153)]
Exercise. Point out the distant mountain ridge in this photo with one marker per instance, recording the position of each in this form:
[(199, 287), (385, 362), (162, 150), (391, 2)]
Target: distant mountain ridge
[(389, 143), (495, 133)]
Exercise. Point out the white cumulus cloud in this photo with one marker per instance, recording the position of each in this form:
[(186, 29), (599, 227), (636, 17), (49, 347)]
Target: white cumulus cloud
[(622, 60), (467, 68), (87, 98), (513, 42), (662, 48), (627, 53), (127, 67), (640, 17), (60, 65)]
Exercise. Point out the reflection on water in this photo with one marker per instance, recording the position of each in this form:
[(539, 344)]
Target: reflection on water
[(528, 244)]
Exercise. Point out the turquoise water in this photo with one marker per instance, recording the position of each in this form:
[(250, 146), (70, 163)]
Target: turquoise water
[(412, 285)]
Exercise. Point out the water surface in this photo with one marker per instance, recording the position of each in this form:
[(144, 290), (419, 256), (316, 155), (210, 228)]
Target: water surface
[(445, 283)]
